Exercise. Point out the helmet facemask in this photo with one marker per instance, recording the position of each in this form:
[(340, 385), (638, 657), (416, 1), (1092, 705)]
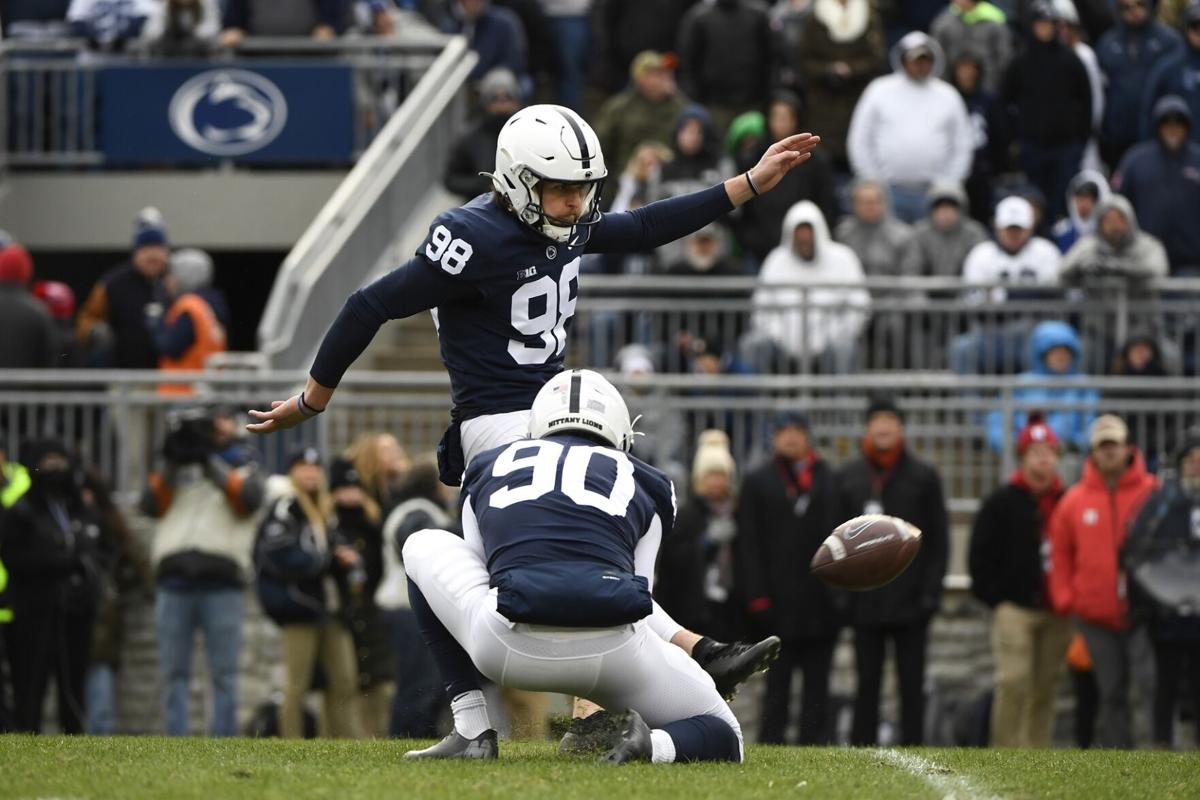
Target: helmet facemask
[(573, 234)]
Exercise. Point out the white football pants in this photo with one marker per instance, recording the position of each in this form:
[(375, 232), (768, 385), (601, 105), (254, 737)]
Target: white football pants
[(480, 434), (622, 667)]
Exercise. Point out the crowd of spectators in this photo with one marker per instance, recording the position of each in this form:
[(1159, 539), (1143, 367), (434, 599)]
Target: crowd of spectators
[(319, 545)]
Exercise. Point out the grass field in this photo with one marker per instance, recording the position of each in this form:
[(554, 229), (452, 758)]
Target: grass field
[(144, 767)]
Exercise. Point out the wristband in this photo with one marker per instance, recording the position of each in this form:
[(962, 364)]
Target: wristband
[(305, 409), (750, 182)]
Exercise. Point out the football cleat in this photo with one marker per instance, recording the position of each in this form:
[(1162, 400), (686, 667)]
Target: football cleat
[(633, 740), (731, 664), (458, 746), (590, 734)]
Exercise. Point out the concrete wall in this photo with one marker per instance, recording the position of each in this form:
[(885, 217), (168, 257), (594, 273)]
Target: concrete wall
[(218, 210)]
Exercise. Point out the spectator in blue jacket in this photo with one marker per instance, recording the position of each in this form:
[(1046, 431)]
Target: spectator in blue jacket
[(1128, 53), (34, 19), (320, 19), (496, 36), (1161, 178), (1178, 74), (1054, 353)]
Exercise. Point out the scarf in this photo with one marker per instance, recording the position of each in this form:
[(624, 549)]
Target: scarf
[(797, 476), (1046, 500), (845, 23), (883, 459)]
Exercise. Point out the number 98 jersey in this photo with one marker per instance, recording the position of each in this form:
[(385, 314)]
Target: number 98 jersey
[(565, 498), (503, 333)]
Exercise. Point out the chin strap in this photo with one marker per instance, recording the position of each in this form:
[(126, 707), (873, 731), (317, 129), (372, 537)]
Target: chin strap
[(629, 437)]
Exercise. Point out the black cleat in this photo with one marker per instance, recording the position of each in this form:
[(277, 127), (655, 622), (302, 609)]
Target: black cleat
[(633, 742), (591, 734), (731, 664), (457, 746)]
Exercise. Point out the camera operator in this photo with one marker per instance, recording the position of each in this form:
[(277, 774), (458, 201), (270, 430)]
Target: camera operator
[(50, 549), (205, 499)]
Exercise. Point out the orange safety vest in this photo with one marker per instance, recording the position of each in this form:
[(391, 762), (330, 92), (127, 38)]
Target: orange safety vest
[(210, 339)]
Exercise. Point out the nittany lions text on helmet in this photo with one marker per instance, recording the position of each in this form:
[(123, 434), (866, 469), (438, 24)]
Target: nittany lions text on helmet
[(549, 143), (582, 401)]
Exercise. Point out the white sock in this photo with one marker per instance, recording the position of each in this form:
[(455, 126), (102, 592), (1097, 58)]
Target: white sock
[(664, 747), (470, 714)]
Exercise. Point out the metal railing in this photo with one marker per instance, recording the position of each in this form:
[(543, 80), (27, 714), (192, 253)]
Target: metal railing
[(50, 87), (364, 217), (117, 419), (909, 323)]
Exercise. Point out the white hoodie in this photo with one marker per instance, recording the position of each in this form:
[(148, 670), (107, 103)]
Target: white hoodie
[(835, 316), (911, 132)]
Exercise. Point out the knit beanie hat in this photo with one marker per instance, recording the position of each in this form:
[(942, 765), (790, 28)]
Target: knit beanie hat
[(712, 455), (16, 265)]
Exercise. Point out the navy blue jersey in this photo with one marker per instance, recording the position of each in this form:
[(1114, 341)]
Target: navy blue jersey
[(504, 295), (565, 499)]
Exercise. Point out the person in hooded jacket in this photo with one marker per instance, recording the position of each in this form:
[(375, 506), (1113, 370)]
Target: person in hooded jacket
[(1087, 531), (1085, 193), (1117, 263), (887, 478), (988, 127), (756, 225), (911, 128), (1128, 53), (1177, 74), (979, 27), (817, 327), (1054, 352), (1117, 248), (841, 49), (359, 525), (474, 151), (50, 547), (940, 242), (1073, 34), (305, 574), (1141, 356), (1161, 178), (695, 154), (1048, 99), (1007, 560), (872, 231), (1168, 527), (787, 509)]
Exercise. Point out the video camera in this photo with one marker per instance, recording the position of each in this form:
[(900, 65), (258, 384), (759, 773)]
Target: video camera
[(189, 437)]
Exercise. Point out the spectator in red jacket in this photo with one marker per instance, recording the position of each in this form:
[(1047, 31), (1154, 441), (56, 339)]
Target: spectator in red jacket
[(1087, 532)]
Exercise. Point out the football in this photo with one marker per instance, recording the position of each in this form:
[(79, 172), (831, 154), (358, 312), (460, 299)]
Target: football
[(866, 552)]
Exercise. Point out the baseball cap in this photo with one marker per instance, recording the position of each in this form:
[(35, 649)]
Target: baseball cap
[(1014, 212), (1191, 14), (647, 60), (1036, 431), (342, 472), (302, 455), (795, 419), (1108, 428)]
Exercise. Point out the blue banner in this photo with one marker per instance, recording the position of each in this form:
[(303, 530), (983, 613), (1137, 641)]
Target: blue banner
[(198, 113)]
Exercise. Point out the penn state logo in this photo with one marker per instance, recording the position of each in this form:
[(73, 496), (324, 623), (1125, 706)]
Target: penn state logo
[(228, 112), (551, 252)]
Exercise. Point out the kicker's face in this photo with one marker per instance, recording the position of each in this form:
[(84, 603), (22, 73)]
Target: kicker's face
[(563, 202)]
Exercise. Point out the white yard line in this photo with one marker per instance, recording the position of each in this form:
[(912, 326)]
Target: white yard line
[(950, 784)]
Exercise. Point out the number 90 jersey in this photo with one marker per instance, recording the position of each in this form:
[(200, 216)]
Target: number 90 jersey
[(504, 333), (565, 498)]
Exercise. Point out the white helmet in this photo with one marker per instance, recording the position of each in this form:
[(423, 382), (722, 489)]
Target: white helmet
[(549, 143), (584, 401)]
